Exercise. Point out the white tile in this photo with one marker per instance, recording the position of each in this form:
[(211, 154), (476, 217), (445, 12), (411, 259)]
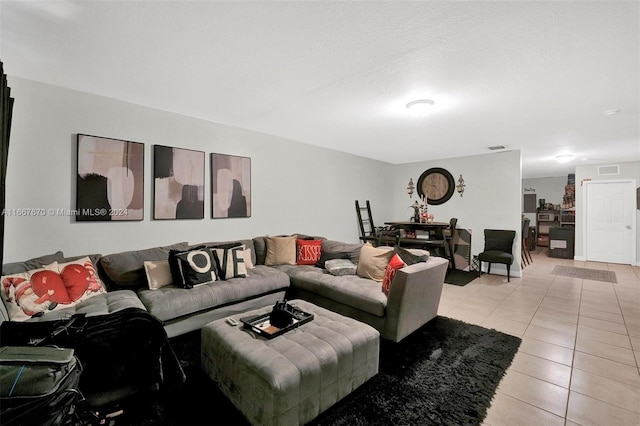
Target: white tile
[(588, 411), (506, 410), (606, 390)]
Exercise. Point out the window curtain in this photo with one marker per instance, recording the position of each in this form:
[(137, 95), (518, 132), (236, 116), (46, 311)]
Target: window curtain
[(6, 110)]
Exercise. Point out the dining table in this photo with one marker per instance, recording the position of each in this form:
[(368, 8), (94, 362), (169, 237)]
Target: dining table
[(429, 235), (435, 230)]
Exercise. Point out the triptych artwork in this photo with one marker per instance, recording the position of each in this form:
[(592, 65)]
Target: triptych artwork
[(110, 182)]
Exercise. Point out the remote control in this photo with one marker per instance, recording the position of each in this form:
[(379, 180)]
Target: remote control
[(232, 321)]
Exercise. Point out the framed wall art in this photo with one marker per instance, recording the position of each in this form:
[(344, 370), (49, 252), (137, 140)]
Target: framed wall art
[(110, 179), (230, 186), (178, 183)]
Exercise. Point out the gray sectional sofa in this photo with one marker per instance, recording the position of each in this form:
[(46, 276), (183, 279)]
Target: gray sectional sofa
[(412, 301)]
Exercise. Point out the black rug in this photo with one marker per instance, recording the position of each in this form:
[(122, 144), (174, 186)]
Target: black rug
[(457, 277), (445, 373)]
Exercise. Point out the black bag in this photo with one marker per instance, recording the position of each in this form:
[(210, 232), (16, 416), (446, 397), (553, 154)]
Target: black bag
[(128, 349), (39, 386)]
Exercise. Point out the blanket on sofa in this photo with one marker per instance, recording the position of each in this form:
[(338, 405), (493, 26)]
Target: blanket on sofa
[(128, 348)]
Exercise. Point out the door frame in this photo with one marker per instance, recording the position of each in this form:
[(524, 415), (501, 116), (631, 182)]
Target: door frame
[(632, 198)]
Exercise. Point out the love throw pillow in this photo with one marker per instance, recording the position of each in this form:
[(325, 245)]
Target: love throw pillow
[(231, 262), (309, 251), (192, 267)]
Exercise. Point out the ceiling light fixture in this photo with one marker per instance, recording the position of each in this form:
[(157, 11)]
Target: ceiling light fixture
[(611, 112), (420, 107), (564, 158)]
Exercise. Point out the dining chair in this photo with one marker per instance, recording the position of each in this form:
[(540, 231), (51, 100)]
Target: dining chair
[(498, 248), (442, 244), (526, 254), (449, 235)]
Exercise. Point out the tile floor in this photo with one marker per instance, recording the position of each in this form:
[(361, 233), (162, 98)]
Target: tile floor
[(578, 363)]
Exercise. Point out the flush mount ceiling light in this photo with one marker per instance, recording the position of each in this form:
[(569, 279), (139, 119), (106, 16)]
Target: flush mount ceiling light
[(564, 158), (611, 112), (420, 107)]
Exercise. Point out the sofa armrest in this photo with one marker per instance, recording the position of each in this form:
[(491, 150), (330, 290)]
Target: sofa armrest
[(414, 297)]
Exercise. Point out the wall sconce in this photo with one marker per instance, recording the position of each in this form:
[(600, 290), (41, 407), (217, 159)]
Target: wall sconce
[(410, 187), (460, 186)]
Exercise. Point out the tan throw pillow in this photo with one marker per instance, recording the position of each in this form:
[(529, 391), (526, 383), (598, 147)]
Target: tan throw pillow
[(158, 273), (247, 258), (373, 262), (281, 251)]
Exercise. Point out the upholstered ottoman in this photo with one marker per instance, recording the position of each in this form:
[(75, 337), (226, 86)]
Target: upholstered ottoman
[(290, 379)]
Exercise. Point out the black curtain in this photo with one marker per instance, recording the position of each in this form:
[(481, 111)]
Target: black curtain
[(6, 110)]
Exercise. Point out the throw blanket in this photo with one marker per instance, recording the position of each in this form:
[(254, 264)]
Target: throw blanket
[(128, 348)]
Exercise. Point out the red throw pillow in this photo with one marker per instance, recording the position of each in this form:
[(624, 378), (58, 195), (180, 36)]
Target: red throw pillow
[(49, 285), (76, 279), (392, 267), (308, 252)]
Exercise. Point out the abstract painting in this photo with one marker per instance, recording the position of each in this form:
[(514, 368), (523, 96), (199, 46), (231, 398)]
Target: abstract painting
[(230, 186), (110, 179), (178, 182)]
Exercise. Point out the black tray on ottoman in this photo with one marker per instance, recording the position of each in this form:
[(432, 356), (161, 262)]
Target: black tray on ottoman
[(261, 324)]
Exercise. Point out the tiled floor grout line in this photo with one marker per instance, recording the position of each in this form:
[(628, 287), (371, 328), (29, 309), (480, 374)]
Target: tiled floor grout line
[(573, 356), (624, 320)]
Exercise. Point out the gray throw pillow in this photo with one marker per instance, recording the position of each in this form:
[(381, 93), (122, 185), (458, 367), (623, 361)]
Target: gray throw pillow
[(340, 267)]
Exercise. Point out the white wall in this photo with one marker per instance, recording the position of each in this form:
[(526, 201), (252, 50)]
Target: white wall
[(295, 187), (628, 170), (492, 198)]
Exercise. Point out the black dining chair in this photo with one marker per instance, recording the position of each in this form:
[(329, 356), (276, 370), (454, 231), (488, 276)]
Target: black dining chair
[(498, 248), (449, 235), (526, 254)]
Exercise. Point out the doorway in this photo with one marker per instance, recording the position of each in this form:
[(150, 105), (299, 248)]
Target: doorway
[(610, 221)]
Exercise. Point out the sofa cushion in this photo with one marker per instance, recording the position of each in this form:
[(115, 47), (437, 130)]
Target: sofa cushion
[(172, 302), (281, 251), (308, 251), (102, 304), (360, 293), (373, 261), (35, 263), (126, 269), (331, 246)]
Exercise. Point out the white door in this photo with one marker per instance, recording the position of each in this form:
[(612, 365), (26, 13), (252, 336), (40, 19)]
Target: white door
[(610, 217)]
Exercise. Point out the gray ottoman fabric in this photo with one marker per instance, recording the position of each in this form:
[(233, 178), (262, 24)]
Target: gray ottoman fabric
[(292, 378)]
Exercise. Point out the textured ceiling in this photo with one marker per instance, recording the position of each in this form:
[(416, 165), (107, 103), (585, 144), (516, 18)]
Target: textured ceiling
[(534, 76)]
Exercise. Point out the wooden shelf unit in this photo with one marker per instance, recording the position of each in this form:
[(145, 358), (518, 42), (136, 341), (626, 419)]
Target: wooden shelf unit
[(545, 220)]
